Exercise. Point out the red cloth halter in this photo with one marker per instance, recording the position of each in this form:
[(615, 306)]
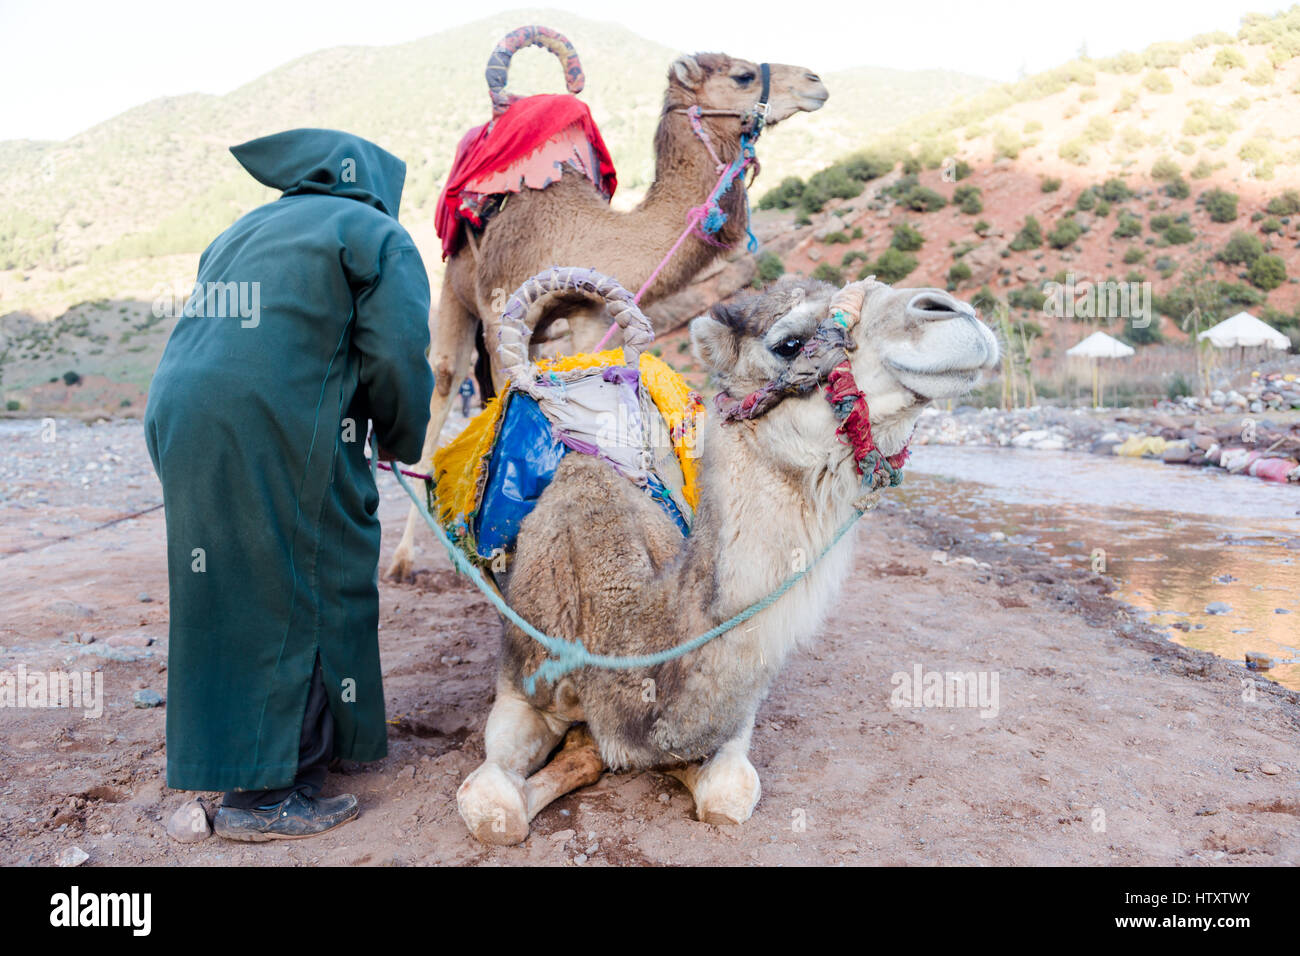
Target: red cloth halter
[(515, 134)]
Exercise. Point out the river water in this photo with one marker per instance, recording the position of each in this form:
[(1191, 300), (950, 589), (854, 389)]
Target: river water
[(1176, 539)]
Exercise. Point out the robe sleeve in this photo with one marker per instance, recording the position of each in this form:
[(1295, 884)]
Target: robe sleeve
[(392, 335)]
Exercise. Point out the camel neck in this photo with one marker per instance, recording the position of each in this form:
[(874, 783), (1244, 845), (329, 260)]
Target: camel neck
[(685, 174)]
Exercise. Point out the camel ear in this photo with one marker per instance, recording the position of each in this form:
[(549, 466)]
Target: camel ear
[(715, 341), (687, 71)]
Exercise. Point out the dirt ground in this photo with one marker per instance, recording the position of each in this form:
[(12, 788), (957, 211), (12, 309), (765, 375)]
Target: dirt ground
[(1110, 745)]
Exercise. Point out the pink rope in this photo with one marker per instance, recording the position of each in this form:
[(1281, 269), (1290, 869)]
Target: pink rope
[(694, 218), (410, 474)]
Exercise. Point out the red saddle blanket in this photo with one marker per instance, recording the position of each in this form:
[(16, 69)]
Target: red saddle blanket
[(534, 129)]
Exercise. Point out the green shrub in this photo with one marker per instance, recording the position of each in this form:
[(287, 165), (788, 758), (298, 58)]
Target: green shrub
[(1210, 77), (1074, 151), (13, 405), (1128, 226), (906, 238), (1157, 82), (828, 273), (912, 165), (852, 256), (1287, 204), (1030, 236), (1242, 249), (1065, 234), (984, 300), (1134, 254), (1030, 297), (1201, 170), (1179, 234), (1098, 130), (1049, 184), (892, 266), (1221, 205), (1270, 226), (865, 166), (1087, 200), (1267, 272), (969, 200), (783, 196), (1115, 190), (1177, 188), (71, 378), (958, 273), (1007, 143), (961, 170), (925, 199), (1229, 58), (1165, 168), (982, 227), (836, 238), (1161, 222), (770, 266)]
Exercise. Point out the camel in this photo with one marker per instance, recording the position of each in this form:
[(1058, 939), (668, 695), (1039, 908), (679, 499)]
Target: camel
[(570, 223), (598, 560)]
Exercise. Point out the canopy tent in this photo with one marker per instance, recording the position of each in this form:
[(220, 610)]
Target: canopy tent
[(1098, 346), (1243, 330)]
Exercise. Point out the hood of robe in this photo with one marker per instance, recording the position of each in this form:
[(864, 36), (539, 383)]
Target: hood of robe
[(327, 162)]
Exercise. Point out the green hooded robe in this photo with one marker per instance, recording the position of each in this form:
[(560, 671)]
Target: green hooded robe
[(309, 317)]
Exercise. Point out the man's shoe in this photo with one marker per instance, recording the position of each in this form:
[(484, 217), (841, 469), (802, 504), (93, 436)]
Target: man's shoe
[(297, 817)]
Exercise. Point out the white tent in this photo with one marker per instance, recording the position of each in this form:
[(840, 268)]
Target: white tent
[(1243, 330), (1098, 346)]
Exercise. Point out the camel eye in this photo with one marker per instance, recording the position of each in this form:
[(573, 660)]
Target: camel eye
[(744, 79), (788, 348)]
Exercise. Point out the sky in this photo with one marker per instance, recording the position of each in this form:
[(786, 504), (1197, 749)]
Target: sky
[(65, 66)]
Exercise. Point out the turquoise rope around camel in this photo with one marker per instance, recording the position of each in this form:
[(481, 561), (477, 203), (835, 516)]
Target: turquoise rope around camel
[(566, 655)]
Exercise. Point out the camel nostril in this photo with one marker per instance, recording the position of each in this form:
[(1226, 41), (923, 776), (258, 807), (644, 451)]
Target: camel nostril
[(933, 304)]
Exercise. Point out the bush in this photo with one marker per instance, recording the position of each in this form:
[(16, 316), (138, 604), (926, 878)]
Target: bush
[(1115, 190), (865, 166), (1134, 254), (1098, 130), (1161, 222), (1177, 188), (958, 273), (1229, 58), (71, 378), (828, 273), (783, 196), (984, 300), (1270, 226), (1030, 297), (1049, 184), (906, 238), (770, 266), (1007, 143), (855, 255), (1087, 200), (1065, 234), (968, 199), (1157, 82), (1128, 226), (1179, 234), (1074, 151), (924, 199), (982, 227), (1221, 205), (1267, 272), (892, 266), (836, 238), (961, 170), (13, 405), (1242, 249), (1287, 204), (1030, 236), (1165, 169)]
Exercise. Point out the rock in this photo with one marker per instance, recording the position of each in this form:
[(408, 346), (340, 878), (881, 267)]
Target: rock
[(1030, 438), (73, 856), (144, 598), (125, 655), (71, 609), (144, 699), (563, 836), (189, 824), (1280, 610), (939, 557), (997, 536), (664, 798), (131, 639), (1176, 452), (580, 859), (1271, 769), (1218, 607)]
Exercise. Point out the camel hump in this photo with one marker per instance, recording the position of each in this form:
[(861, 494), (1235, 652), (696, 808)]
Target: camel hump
[(498, 67)]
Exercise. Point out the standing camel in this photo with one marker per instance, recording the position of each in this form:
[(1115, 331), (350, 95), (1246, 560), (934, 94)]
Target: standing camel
[(571, 223)]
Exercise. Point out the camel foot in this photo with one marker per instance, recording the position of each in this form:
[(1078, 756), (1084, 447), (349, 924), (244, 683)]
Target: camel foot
[(492, 804), (725, 788), (401, 570)]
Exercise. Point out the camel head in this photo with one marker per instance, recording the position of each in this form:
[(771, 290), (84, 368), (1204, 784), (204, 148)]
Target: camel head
[(715, 81), (773, 351)]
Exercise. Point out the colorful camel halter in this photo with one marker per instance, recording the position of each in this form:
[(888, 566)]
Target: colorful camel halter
[(706, 220), (824, 361)]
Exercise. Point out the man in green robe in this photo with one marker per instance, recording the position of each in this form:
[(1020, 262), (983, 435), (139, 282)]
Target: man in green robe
[(308, 320)]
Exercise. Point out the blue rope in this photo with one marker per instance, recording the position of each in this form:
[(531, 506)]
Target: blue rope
[(566, 656)]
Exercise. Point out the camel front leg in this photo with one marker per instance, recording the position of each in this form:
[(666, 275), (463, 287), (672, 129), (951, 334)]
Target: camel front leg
[(451, 356), (725, 787), (499, 799)]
